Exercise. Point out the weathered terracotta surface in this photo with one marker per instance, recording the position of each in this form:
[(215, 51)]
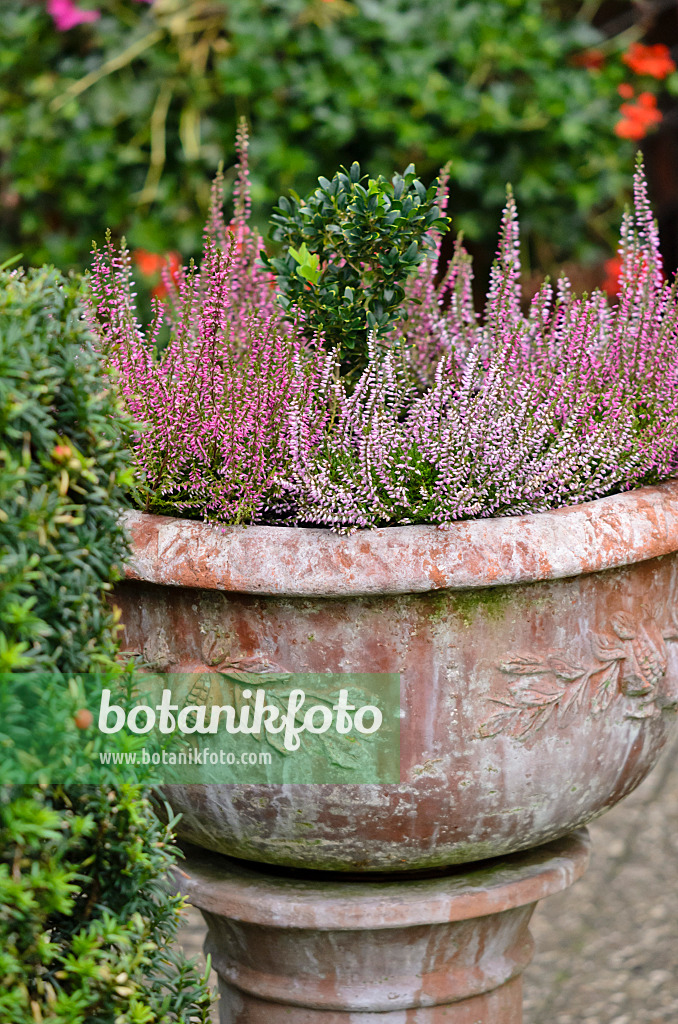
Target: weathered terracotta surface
[(527, 708), (446, 949), (282, 560)]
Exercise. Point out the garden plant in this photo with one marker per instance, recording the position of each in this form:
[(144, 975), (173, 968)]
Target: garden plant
[(347, 383), (358, 471), (88, 916)]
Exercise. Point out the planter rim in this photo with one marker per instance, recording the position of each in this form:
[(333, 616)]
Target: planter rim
[(311, 562)]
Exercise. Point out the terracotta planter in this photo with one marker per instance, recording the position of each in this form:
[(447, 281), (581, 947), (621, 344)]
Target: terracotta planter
[(538, 669)]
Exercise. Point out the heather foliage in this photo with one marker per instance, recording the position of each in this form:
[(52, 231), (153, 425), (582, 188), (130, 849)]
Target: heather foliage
[(520, 413), (454, 415), (348, 249), (212, 405)]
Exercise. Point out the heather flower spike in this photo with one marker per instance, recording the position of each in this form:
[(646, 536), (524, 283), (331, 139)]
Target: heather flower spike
[(647, 245), (503, 300), (245, 416)]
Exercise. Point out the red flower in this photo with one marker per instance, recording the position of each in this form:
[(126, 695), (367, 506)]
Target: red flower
[(625, 90), (613, 269), (638, 117), (649, 60), (173, 262), (593, 59), (149, 263), (630, 129)]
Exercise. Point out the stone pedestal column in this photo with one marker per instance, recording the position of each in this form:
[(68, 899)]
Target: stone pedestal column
[(310, 948)]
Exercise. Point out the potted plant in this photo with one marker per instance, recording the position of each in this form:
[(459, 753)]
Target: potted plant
[(504, 529)]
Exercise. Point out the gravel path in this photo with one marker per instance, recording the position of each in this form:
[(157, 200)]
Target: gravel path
[(607, 949)]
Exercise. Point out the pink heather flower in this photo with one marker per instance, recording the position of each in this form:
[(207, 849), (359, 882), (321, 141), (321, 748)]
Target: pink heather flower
[(66, 14), (242, 419)]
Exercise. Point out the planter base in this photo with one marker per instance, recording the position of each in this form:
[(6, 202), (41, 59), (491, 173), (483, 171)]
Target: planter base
[(315, 948), (502, 1006)]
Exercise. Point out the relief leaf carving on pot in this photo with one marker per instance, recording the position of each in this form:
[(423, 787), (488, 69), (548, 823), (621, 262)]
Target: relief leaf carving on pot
[(627, 668), (236, 683), (215, 646), (157, 654)]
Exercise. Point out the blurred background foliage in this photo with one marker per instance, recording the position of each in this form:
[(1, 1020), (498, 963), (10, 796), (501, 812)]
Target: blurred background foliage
[(121, 121)]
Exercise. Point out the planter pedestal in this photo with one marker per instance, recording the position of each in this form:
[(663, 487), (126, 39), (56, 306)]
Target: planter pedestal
[(319, 948)]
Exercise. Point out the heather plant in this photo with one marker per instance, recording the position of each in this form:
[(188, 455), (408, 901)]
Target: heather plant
[(454, 415), (212, 403), (348, 249), (522, 413)]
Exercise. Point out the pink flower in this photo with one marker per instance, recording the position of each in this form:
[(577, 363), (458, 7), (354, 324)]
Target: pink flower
[(66, 15)]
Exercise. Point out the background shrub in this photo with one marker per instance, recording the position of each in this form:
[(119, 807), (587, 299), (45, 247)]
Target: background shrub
[(121, 121), (86, 920)]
